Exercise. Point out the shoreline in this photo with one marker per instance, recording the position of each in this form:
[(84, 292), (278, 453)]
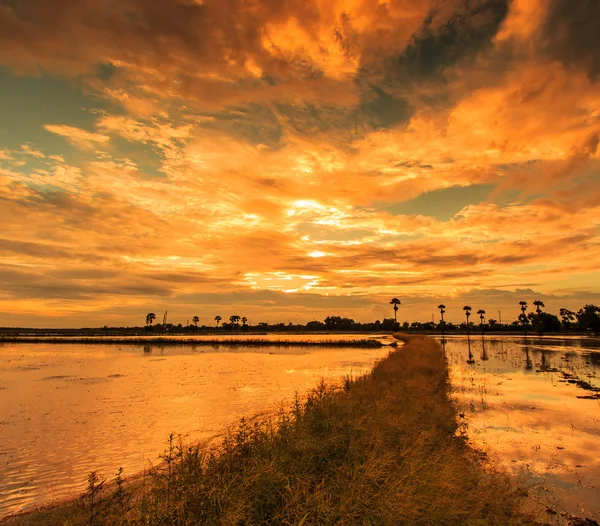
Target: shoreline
[(174, 341), (383, 447)]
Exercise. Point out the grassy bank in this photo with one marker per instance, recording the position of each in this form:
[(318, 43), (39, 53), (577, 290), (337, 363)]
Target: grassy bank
[(166, 340), (381, 449)]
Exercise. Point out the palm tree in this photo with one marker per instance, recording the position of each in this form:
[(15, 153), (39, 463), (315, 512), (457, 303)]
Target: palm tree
[(481, 313), (467, 310), (218, 319), (150, 317), (538, 306), (523, 306), (235, 319), (244, 320), (442, 310), (195, 319), (395, 302), (523, 316)]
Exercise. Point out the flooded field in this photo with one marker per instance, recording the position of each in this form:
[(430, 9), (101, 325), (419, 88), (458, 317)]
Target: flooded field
[(533, 404), (68, 409)]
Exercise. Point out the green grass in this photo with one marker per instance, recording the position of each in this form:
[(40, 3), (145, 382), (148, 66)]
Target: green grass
[(380, 449)]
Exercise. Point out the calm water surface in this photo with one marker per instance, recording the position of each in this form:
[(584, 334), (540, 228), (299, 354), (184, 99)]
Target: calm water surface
[(68, 409), (533, 404)]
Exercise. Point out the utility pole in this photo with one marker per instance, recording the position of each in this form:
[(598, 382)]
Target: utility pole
[(500, 317)]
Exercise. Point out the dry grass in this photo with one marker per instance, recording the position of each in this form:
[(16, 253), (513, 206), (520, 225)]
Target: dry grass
[(382, 449)]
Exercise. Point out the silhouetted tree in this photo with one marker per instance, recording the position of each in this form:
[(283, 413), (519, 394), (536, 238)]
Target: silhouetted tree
[(467, 310), (546, 322), (442, 308), (588, 318), (523, 317), (567, 318), (523, 306), (481, 313), (244, 320), (218, 319), (395, 302), (235, 320), (389, 324), (196, 320), (337, 323), (150, 317), (536, 319)]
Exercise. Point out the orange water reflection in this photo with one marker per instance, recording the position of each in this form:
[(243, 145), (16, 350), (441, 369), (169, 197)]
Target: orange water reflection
[(68, 409), (532, 404)]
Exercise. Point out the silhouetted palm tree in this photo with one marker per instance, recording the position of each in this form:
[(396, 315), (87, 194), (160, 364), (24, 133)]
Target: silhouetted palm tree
[(218, 319), (467, 310), (523, 306), (481, 313), (235, 319), (150, 317), (442, 310), (195, 319), (395, 302), (244, 320), (538, 306), (523, 316)]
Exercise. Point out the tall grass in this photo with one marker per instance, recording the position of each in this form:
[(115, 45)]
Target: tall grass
[(380, 449)]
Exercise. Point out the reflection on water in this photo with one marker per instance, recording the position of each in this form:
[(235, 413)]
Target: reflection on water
[(534, 405), (68, 409)]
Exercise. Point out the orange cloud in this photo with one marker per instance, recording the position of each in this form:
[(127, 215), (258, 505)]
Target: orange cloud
[(265, 148)]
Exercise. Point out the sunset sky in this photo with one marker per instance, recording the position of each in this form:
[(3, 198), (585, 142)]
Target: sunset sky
[(286, 160)]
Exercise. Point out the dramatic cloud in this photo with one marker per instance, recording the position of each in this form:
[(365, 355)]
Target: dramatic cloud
[(293, 159)]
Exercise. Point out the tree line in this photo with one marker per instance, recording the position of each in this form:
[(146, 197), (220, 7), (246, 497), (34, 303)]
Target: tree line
[(586, 319)]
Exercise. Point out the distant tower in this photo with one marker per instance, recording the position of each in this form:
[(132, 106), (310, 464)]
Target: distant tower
[(165, 319)]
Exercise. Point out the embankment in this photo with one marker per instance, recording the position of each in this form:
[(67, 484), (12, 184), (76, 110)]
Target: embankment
[(381, 449)]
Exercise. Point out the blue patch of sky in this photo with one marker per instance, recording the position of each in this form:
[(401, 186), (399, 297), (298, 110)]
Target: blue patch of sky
[(442, 204), (148, 158), (29, 103), (446, 203)]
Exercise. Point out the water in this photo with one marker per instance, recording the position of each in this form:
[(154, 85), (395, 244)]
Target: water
[(68, 409), (534, 405)]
